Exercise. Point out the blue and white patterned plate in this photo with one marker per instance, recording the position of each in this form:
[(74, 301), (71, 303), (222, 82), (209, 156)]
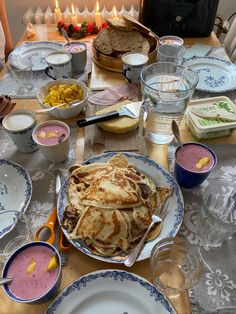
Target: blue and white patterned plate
[(15, 192), (110, 291), (161, 177), (215, 75), (34, 52)]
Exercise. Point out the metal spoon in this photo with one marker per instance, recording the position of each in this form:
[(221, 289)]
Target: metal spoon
[(175, 130), (71, 104), (65, 35), (5, 280)]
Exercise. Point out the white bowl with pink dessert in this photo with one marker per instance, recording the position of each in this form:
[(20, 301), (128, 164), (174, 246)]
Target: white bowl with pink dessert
[(68, 112), (53, 140), (36, 271)]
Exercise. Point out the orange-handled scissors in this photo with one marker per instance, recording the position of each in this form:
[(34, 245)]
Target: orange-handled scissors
[(63, 244), (49, 226)]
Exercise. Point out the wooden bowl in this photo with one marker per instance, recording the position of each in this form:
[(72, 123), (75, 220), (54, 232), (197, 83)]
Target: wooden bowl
[(115, 64)]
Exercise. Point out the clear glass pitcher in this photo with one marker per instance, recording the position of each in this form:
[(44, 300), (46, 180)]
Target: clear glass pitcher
[(166, 90)]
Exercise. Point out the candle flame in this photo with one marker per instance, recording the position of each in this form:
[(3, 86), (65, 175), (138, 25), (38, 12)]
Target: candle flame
[(56, 3), (72, 9), (114, 11), (97, 6)]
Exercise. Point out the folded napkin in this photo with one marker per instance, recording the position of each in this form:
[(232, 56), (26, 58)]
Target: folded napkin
[(30, 30)]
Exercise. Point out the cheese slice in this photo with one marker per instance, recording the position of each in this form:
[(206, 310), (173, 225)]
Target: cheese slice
[(120, 125)]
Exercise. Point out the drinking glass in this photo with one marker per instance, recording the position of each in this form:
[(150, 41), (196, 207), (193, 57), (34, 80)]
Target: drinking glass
[(166, 90), (15, 231), (175, 265), (170, 53), (217, 215), (23, 77)]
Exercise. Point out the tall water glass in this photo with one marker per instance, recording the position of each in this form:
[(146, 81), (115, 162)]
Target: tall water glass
[(175, 265), (217, 214), (23, 77), (166, 90)]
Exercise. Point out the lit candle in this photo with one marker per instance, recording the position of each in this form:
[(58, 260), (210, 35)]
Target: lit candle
[(115, 17), (98, 16), (57, 14), (73, 15)]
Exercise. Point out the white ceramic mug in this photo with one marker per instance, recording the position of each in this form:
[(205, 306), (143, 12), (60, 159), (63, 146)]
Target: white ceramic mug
[(54, 152), (78, 51), (59, 65), (19, 125), (133, 63)]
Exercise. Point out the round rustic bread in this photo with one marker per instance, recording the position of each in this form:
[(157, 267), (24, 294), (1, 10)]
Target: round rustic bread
[(119, 24), (124, 41)]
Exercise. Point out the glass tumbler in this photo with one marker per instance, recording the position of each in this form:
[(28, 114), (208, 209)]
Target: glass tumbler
[(175, 266), (217, 215), (15, 230), (166, 90), (23, 77)]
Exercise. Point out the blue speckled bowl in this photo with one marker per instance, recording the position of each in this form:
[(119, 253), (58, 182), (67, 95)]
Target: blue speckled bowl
[(189, 179), (49, 294)]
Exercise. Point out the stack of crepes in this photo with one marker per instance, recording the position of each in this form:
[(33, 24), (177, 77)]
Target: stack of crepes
[(111, 204)]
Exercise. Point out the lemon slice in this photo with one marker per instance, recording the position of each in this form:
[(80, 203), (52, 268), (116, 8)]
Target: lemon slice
[(53, 263), (30, 269)]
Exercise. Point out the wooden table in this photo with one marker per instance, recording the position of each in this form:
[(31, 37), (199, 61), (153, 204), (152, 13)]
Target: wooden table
[(79, 264)]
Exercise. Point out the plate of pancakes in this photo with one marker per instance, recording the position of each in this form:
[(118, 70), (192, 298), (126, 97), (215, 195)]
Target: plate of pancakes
[(105, 205)]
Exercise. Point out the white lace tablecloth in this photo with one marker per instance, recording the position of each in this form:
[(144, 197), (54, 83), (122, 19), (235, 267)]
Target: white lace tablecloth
[(42, 173), (216, 290)]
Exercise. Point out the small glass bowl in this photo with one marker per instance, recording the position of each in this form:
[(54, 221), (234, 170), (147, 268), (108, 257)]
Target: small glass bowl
[(17, 232)]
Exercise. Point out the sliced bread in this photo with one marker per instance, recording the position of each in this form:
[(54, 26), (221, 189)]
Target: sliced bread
[(102, 42), (119, 24), (123, 41)]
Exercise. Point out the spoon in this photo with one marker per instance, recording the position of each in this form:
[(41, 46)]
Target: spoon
[(65, 35), (5, 280), (175, 130), (71, 104)]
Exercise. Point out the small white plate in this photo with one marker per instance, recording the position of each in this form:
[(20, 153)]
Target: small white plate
[(34, 52), (215, 75), (15, 192), (110, 291), (161, 177)]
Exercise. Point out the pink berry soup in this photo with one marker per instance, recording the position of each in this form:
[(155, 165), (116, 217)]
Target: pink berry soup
[(195, 158), (32, 285), (50, 134), (75, 47)]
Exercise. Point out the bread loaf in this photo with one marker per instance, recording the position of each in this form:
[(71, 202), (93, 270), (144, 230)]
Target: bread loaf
[(124, 41), (102, 42)]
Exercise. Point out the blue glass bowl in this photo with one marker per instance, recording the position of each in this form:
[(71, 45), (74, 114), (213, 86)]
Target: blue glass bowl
[(50, 293), (190, 179)]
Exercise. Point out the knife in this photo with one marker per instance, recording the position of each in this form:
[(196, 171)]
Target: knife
[(213, 115), (131, 110)]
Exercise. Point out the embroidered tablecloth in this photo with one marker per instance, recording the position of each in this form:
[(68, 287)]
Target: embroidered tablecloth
[(216, 290)]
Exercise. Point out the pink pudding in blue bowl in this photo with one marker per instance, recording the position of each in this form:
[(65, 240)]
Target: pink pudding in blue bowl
[(193, 164)]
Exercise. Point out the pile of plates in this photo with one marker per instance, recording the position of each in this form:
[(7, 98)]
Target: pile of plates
[(33, 52)]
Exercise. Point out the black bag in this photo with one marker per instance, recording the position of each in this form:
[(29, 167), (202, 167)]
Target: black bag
[(184, 18)]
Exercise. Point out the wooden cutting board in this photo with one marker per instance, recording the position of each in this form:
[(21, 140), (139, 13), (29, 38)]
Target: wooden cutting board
[(98, 141)]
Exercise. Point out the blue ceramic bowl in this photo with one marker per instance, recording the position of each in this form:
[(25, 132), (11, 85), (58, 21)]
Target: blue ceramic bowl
[(49, 293), (188, 178)]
